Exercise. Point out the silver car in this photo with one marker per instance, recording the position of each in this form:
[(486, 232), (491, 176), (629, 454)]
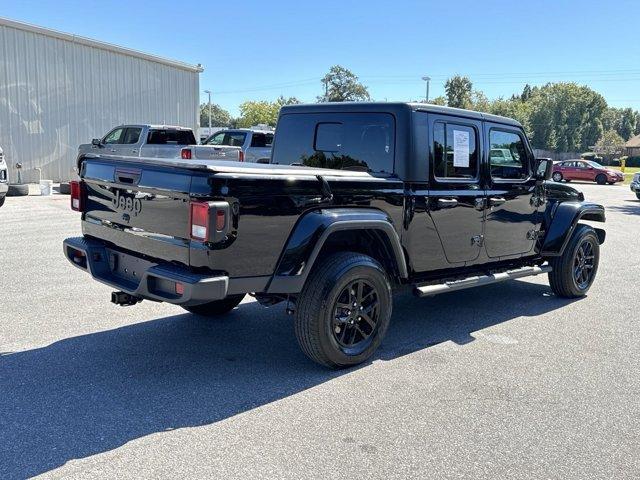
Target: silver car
[(4, 178), (635, 185)]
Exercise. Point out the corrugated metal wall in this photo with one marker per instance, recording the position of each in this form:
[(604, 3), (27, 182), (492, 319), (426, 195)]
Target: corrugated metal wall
[(56, 94)]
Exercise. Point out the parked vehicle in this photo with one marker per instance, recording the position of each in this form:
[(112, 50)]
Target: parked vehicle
[(148, 141), (388, 195), (4, 178), (255, 144), (635, 185), (585, 170)]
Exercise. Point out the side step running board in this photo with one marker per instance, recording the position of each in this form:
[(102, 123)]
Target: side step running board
[(428, 290)]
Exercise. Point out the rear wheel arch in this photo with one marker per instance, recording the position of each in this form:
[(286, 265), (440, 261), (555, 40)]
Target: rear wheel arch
[(375, 237)]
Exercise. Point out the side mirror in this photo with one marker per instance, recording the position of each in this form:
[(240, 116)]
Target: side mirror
[(96, 142), (544, 168)]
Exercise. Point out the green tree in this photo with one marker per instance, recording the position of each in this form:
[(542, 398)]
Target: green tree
[(341, 85), (442, 101), (254, 113), (610, 143), (623, 120), (219, 116), (458, 90), (262, 112), (566, 117)]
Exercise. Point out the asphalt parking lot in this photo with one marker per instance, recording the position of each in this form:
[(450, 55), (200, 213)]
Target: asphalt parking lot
[(505, 381)]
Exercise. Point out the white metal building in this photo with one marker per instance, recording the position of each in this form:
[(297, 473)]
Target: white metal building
[(59, 90)]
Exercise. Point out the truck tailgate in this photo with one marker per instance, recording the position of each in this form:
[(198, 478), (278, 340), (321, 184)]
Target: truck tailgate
[(139, 207), (216, 152)]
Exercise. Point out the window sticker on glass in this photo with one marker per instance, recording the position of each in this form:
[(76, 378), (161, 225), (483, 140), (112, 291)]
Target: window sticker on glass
[(460, 148)]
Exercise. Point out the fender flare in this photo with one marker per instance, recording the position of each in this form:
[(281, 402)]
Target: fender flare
[(565, 218), (310, 234)]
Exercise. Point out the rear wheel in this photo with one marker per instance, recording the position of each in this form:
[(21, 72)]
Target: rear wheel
[(2, 201), (601, 179), (557, 177), (574, 271), (216, 308), (344, 310)]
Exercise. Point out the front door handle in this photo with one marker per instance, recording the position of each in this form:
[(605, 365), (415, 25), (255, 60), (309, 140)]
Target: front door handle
[(447, 202), (495, 201)]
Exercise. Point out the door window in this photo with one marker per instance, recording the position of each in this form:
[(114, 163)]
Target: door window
[(132, 135), (113, 137), (455, 151), (508, 156), (233, 139)]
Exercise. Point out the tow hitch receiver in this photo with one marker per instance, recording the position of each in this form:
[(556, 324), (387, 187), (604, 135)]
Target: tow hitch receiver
[(124, 299)]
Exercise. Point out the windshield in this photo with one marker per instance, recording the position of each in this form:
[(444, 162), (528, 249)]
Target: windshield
[(234, 139)]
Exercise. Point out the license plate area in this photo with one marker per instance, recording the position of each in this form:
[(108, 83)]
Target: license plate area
[(127, 267)]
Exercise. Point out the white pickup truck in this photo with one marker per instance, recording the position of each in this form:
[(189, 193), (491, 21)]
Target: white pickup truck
[(254, 144), (152, 141)]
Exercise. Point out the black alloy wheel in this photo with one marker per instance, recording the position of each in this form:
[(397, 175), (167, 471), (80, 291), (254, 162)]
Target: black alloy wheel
[(356, 314), (583, 264)]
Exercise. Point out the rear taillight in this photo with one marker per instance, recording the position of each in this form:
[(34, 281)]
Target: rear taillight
[(185, 154), (77, 195), (241, 156), (199, 221), (209, 221)]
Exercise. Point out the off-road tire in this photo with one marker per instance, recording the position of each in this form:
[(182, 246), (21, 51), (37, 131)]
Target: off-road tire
[(316, 308), (557, 177), (601, 179), (562, 277), (18, 190), (216, 308)]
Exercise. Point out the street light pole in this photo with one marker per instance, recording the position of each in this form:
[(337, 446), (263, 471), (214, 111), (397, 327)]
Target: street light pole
[(427, 79), (208, 92)]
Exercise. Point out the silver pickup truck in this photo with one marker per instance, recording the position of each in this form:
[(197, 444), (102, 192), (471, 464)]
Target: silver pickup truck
[(254, 144), (150, 141)]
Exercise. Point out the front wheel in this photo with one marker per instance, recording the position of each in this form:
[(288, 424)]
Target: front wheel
[(638, 195), (574, 271), (2, 201), (344, 310), (601, 179), (216, 308)]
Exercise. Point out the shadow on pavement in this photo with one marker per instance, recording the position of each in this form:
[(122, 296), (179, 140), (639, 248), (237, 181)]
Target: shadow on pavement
[(93, 393), (631, 207)]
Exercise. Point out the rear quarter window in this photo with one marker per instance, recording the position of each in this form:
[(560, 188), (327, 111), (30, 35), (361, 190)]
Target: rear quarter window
[(348, 141)]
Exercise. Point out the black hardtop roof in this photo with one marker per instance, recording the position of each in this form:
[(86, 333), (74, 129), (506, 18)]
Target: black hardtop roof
[(394, 108)]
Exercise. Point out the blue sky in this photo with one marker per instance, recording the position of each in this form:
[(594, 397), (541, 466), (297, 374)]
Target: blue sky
[(259, 50)]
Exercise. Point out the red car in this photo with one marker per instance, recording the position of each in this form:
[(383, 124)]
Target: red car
[(585, 170)]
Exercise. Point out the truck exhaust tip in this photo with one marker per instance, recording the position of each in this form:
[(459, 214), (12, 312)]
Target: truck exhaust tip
[(123, 299)]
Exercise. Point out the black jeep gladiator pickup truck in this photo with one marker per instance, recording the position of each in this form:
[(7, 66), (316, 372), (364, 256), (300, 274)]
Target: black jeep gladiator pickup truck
[(360, 198)]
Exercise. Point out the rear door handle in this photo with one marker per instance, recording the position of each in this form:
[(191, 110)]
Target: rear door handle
[(495, 201), (447, 202)]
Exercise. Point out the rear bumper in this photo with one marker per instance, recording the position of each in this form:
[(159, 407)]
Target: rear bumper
[(142, 278)]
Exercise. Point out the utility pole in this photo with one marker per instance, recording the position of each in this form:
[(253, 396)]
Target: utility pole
[(427, 79), (208, 92)]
